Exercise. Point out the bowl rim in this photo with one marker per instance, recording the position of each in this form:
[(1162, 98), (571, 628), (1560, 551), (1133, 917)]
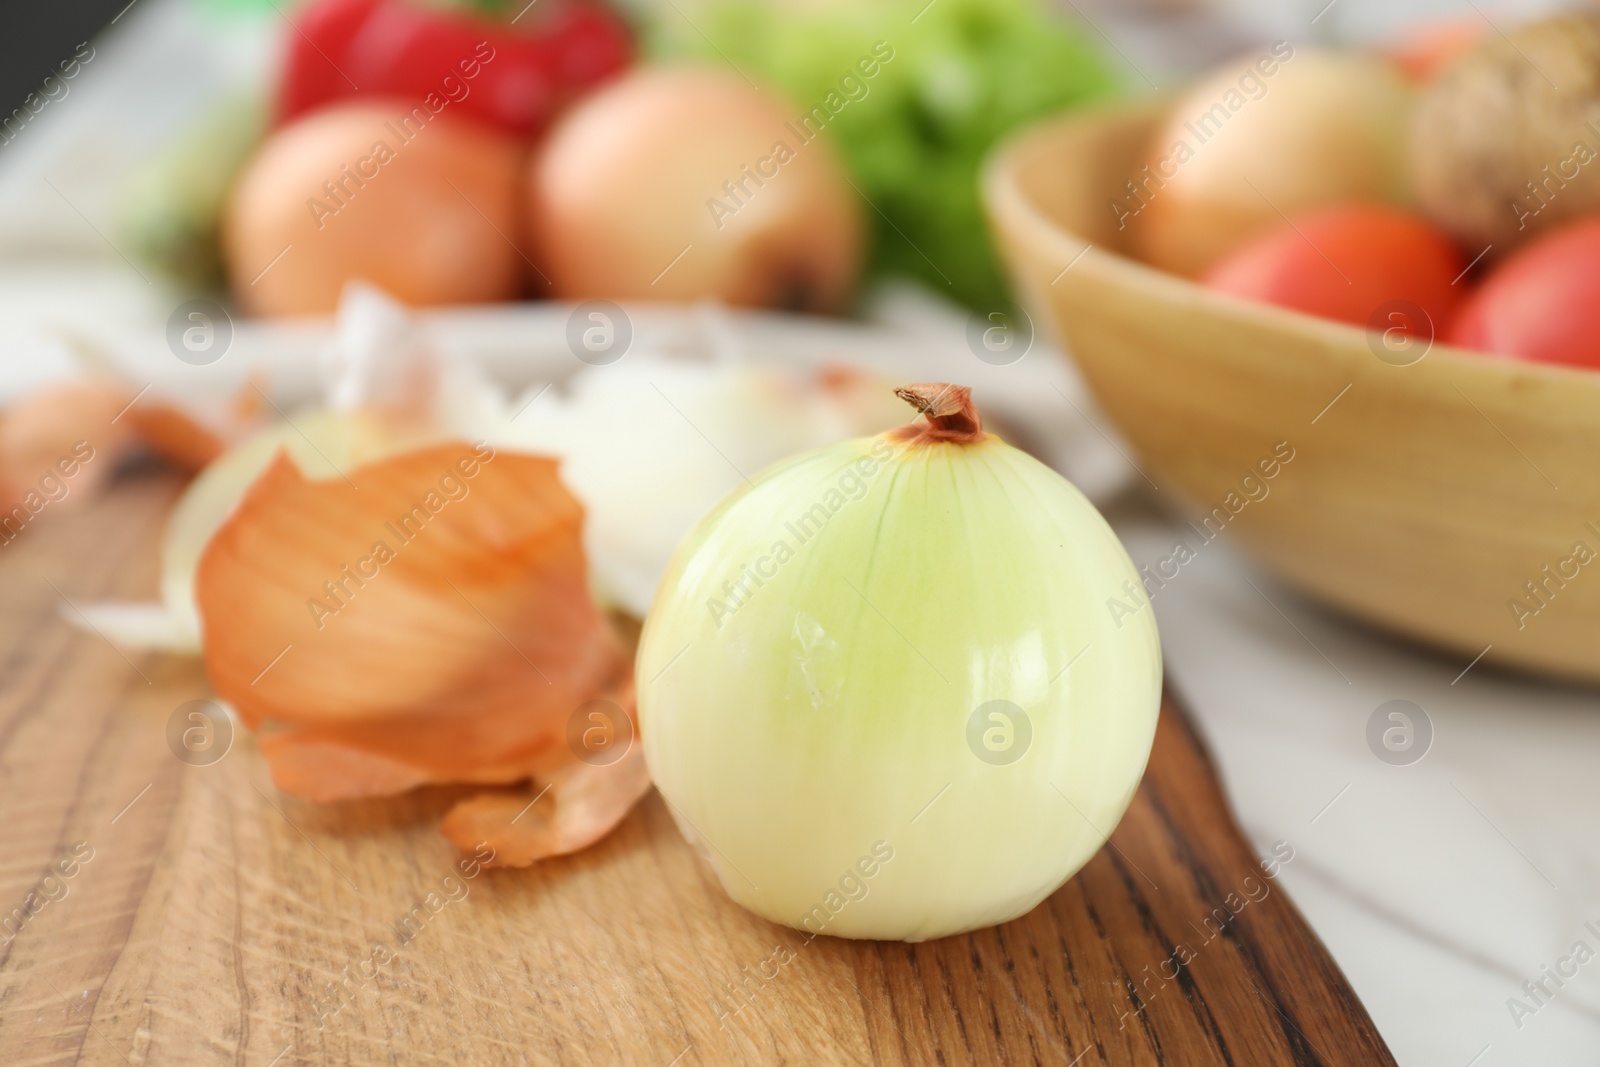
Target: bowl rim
[(1002, 190)]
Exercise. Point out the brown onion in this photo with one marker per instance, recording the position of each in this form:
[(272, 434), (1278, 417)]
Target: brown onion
[(689, 184), (424, 206), (1244, 149)]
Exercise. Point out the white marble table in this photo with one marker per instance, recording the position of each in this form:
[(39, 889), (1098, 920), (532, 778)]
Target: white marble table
[(1440, 886)]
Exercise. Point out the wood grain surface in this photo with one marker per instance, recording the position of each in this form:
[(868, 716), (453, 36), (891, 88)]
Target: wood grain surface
[(207, 919)]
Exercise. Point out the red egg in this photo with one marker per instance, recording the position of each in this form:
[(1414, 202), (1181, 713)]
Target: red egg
[(1347, 263), (1542, 303)]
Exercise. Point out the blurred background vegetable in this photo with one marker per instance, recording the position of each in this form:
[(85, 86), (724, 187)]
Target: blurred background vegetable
[(909, 96), (171, 211), (913, 134), (525, 64), (512, 68), (1542, 303), (1345, 263), (689, 184), (1503, 143), (368, 190), (1277, 132)]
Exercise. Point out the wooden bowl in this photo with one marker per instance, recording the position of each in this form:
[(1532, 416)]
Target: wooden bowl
[(1455, 500)]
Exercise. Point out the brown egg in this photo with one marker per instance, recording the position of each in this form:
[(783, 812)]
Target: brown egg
[(689, 184), (424, 206)]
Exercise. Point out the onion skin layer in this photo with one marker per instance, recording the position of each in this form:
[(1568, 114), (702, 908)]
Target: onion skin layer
[(802, 728)]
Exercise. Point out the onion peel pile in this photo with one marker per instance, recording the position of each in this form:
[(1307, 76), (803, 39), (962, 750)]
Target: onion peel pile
[(388, 607), (433, 625)]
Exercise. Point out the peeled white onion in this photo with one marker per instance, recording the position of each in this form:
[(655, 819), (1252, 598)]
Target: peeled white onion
[(884, 689)]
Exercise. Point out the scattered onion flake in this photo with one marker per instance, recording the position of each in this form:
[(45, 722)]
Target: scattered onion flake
[(425, 620), (651, 444), (91, 424), (589, 802)]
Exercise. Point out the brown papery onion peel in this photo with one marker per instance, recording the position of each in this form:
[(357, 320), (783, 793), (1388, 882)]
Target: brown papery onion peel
[(424, 619)]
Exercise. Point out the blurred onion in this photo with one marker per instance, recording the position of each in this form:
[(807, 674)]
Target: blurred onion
[(343, 194), (1323, 128), (690, 184)]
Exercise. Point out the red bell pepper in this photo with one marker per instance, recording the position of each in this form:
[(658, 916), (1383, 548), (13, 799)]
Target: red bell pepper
[(514, 75)]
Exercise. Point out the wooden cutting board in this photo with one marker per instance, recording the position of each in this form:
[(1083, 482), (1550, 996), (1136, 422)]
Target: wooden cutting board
[(206, 918)]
